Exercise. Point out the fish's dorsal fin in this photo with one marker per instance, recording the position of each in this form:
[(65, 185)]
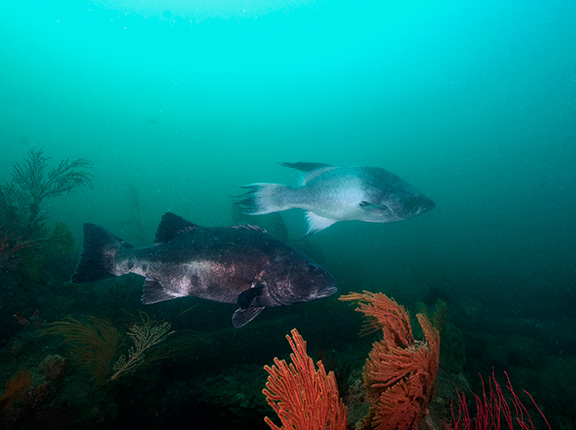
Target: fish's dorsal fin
[(171, 226), (308, 171), (249, 227), (317, 223)]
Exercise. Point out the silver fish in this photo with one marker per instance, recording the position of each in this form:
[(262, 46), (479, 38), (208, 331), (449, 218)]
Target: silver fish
[(240, 264), (330, 194)]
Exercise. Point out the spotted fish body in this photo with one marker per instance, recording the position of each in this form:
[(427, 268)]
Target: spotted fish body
[(240, 264), (330, 194)]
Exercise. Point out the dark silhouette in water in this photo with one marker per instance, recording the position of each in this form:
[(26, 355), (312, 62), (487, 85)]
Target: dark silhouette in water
[(135, 212), (240, 264)]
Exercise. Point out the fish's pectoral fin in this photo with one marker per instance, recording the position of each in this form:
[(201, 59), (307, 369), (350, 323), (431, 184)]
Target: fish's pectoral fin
[(371, 207), (248, 297), (241, 317), (317, 223), (153, 292)]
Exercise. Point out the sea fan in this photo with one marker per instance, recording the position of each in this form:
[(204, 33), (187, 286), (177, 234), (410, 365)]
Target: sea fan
[(400, 371), (20, 199), (304, 398)]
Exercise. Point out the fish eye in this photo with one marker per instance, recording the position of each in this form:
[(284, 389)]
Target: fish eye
[(312, 269)]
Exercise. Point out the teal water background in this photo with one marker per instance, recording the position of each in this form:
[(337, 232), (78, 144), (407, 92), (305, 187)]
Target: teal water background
[(472, 102), (179, 103)]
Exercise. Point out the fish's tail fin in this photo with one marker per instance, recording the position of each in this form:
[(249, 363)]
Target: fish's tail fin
[(265, 198), (98, 255)]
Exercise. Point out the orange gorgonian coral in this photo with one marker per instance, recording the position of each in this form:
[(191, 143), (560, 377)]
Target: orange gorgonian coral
[(399, 373), (304, 398), (15, 389)]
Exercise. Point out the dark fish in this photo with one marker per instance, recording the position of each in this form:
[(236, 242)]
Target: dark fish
[(330, 194), (240, 264)]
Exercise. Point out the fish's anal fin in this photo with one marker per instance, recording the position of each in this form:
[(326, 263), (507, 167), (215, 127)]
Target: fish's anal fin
[(241, 317), (152, 292), (171, 226), (317, 223), (247, 297), (308, 171)]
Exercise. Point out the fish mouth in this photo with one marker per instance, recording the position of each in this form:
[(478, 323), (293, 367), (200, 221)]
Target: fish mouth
[(331, 290), (327, 292), (419, 205), (428, 205)]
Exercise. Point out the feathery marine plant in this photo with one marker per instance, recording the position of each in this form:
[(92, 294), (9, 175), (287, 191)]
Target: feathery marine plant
[(94, 345), (21, 199), (144, 336)]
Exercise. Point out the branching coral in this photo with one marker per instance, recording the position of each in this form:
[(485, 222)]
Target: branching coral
[(20, 200), (22, 218), (15, 389), (494, 410), (11, 248), (26, 405), (304, 398), (399, 373)]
